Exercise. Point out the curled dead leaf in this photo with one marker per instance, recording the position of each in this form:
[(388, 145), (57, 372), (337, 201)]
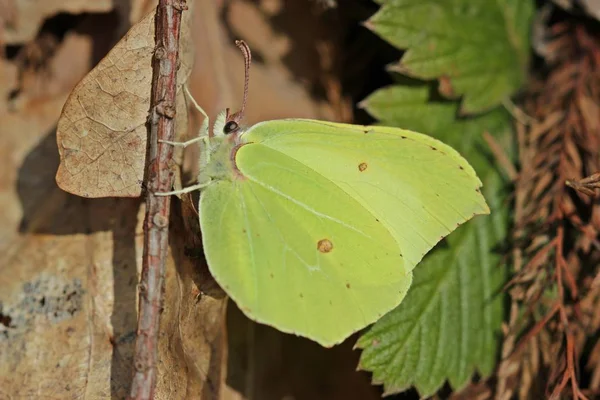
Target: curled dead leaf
[(102, 134)]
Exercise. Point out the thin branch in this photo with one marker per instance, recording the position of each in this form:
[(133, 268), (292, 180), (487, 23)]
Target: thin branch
[(159, 179)]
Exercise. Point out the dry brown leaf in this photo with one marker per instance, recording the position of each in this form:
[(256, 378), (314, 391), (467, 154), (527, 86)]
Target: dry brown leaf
[(29, 15), (102, 131)]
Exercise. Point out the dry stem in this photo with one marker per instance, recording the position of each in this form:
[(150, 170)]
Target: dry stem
[(159, 179)]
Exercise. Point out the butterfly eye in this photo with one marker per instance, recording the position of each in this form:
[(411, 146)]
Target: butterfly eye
[(231, 126)]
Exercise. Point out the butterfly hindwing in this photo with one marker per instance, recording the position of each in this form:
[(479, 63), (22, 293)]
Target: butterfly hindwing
[(296, 252)]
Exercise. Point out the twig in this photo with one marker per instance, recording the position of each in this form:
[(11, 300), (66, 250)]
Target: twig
[(159, 179)]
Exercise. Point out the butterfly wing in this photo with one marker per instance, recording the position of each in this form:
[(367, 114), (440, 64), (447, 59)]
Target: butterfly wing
[(295, 251), (420, 188)]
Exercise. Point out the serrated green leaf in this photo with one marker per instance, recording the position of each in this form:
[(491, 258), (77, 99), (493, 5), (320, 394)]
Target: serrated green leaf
[(447, 327), (479, 47)]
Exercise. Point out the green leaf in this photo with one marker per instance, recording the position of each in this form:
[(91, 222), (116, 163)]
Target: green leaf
[(448, 325), (480, 48)]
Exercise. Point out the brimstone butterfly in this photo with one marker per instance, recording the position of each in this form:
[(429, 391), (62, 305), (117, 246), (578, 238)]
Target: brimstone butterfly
[(315, 227)]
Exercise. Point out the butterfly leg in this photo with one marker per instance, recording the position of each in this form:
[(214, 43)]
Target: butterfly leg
[(203, 135), (186, 143), (184, 190), (205, 149), (194, 102)]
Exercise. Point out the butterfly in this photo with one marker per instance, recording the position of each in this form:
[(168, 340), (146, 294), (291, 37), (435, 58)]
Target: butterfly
[(315, 227)]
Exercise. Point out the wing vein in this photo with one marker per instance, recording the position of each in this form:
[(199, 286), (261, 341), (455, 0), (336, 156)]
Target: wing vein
[(305, 206)]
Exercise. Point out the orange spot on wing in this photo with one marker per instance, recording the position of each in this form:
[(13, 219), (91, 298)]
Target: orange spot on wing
[(324, 246)]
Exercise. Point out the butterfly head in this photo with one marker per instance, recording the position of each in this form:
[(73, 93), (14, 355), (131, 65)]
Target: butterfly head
[(226, 124), (232, 121)]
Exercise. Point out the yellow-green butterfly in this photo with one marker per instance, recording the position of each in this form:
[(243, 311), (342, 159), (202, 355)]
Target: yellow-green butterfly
[(315, 227)]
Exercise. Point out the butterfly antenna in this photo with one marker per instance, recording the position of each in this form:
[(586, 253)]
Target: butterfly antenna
[(247, 61)]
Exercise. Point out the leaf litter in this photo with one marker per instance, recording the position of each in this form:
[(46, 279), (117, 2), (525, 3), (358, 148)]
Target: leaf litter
[(554, 300)]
